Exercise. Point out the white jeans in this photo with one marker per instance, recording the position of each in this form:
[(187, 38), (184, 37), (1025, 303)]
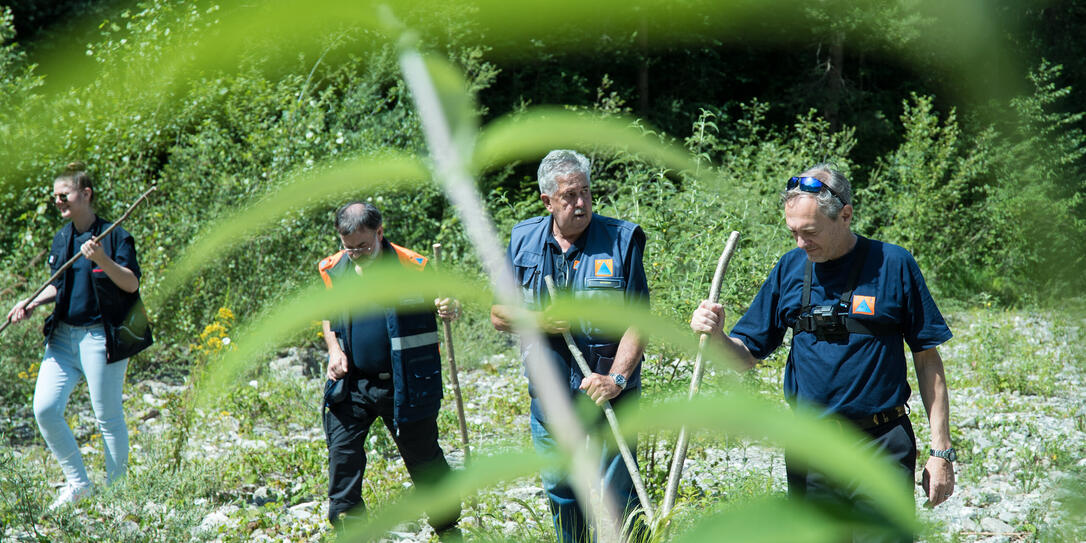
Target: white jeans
[(74, 353)]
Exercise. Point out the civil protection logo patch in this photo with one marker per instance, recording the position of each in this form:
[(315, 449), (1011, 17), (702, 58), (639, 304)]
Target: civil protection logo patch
[(605, 267), (863, 305)]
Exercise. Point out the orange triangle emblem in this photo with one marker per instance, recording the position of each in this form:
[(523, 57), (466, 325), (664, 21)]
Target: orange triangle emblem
[(863, 305), (605, 267)]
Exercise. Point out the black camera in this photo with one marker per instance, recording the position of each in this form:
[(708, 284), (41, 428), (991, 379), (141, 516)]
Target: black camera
[(826, 322)]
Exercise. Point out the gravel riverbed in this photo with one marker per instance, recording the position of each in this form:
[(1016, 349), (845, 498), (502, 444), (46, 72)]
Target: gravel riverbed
[(1010, 445)]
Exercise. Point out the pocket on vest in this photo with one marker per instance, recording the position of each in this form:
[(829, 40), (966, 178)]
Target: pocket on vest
[(423, 380), (603, 288), (525, 268)]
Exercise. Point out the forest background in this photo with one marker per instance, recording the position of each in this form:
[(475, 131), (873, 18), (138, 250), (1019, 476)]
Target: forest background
[(974, 164)]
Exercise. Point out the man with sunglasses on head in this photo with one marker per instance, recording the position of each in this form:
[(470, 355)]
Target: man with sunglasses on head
[(382, 363), (852, 304)]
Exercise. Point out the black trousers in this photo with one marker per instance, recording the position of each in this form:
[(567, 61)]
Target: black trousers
[(346, 426), (895, 439)]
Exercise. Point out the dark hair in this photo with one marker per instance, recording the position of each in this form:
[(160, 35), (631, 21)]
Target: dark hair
[(76, 174), (355, 215)]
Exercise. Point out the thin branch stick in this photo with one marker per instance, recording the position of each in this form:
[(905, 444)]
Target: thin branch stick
[(612, 420), (678, 458), (454, 376), (78, 254)]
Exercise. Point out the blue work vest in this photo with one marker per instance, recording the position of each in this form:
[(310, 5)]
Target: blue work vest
[(413, 340), (598, 273)]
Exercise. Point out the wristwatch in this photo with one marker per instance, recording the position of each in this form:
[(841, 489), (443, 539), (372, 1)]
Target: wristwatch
[(949, 455), (619, 379)]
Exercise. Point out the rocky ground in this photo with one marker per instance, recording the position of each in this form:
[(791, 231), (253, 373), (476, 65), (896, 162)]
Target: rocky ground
[(1009, 442)]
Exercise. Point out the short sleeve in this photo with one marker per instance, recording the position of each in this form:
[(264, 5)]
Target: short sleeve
[(925, 327), (760, 328), (124, 254)]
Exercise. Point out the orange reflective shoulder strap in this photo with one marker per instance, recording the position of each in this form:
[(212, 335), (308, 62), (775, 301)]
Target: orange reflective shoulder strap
[(409, 259), (327, 264)]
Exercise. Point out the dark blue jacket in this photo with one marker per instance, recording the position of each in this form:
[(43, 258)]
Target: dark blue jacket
[(609, 267), (416, 361), (124, 317)]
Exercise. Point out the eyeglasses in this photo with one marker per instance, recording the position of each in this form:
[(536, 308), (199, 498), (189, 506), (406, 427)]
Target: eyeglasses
[(355, 250), (812, 185), (63, 196)]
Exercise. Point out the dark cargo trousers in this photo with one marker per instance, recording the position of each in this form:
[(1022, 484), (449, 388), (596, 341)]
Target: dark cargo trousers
[(896, 440), (346, 426)]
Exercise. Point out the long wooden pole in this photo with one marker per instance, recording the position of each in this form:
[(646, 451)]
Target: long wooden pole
[(454, 377), (679, 456), (612, 420), (78, 254)]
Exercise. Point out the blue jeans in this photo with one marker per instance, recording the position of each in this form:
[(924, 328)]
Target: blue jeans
[(570, 522), (72, 354)]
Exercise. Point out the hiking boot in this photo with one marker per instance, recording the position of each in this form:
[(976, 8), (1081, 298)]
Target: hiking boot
[(71, 494)]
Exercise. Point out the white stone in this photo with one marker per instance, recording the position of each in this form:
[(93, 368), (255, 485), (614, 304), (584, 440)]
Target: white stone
[(996, 526)]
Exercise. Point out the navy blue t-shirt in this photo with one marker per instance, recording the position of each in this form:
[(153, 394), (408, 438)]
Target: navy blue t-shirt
[(371, 352), (81, 302), (865, 374)]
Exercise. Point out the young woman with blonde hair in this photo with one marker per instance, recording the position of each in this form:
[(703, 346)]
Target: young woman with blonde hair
[(97, 323)]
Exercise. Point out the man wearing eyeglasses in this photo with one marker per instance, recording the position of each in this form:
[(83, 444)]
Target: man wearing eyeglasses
[(381, 364), (852, 304)]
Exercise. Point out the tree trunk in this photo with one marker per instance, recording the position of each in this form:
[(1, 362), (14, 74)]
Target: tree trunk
[(643, 69), (834, 82)]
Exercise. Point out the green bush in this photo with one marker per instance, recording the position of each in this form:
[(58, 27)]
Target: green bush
[(994, 210)]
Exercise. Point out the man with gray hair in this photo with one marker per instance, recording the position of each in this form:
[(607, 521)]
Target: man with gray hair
[(852, 304), (589, 256)]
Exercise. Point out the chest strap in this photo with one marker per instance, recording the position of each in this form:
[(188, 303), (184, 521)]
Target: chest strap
[(854, 326)]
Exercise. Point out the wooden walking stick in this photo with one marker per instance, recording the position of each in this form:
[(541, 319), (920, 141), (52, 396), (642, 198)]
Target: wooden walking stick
[(612, 420), (454, 378), (679, 457), (78, 254)]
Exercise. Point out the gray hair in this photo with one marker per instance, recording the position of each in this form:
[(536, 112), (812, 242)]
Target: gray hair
[(562, 162), (355, 215), (828, 204)]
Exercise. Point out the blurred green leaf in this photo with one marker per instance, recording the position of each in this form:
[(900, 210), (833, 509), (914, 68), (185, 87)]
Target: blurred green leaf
[(304, 189)]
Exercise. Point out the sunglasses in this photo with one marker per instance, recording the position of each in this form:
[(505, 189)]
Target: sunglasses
[(812, 185), (62, 196)]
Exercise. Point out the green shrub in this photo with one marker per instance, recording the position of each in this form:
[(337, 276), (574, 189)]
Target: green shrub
[(1010, 192)]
